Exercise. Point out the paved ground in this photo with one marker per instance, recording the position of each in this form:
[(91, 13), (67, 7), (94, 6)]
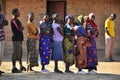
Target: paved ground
[(106, 71)]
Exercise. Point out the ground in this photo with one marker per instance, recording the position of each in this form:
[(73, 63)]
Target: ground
[(106, 70)]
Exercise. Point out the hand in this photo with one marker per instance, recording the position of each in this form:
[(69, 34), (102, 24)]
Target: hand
[(21, 28)]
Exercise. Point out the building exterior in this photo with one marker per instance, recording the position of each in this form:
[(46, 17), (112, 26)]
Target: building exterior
[(101, 8)]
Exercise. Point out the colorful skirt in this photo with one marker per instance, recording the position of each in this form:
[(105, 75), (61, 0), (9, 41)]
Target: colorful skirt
[(92, 60), (32, 56), (68, 52), (45, 49), (81, 52)]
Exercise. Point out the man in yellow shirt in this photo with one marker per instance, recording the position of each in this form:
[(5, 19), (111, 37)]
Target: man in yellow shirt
[(109, 37)]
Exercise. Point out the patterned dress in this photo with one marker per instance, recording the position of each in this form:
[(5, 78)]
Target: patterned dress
[(68, 46), (45, 49), (92, 50), (81, 52), (45, 43), (32, 55)]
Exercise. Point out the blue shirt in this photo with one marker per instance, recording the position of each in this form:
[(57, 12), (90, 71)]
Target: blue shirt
[(80, 30)]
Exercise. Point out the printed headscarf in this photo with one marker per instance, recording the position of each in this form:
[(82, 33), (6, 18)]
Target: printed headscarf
[(79, 18), (70, 16), (91, 14)]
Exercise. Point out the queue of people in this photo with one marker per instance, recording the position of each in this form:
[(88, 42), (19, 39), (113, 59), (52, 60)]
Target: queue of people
[(73, 43)]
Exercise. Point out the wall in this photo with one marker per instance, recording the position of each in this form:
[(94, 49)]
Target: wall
[(25, 6), (101, 8)]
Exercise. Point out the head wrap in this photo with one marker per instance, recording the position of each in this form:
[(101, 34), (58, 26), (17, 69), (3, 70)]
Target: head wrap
[(86, 18), (54, 15), (70, 16), (91, 14), (80, 17)]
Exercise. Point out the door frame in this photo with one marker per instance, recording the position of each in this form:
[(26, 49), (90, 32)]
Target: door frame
[(65, 5)]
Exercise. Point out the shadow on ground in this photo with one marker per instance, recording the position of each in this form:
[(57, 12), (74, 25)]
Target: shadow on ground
[(56, 76)]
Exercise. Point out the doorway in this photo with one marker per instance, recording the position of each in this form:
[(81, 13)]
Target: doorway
[(57, 7)]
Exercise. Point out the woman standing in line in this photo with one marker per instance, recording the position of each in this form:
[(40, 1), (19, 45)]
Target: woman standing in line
[(45, 42), (93, 33), (57, 53), (32, 56), (69, 43), (82, 44)]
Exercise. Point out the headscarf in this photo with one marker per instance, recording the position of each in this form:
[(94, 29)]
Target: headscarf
[(79, 18), (86, 18), (54, 15), (91, 14), (70, 16)]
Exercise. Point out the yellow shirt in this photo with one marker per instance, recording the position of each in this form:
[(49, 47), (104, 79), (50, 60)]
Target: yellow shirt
[(110, 25), (31, 28)]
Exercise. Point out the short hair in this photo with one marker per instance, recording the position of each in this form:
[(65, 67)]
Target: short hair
[(114, 15), (14, 11)]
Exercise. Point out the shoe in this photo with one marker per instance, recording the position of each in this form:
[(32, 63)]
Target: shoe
[(112, 60), (2, 72), (109, 60), (68, 71), (29, 68), (81, 72), (45, 71), (92, 72), (22, 68), (15, 70), (57, 71)]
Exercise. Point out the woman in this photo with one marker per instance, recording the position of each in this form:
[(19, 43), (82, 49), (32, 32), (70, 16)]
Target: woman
[(93, 33), (32, 56), (69, 42), (45, 42), (57, 53), (82, 44)]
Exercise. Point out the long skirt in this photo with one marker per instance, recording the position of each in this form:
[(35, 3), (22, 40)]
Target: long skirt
[(81, 52), (68, 52), (92, 60), (45, 49), (32, 56), (57, 53)]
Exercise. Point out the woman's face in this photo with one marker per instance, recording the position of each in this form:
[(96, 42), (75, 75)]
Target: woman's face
[(57, 18), (82, 21), (92, 18), (46, 17), (70, 20), (31, 17)]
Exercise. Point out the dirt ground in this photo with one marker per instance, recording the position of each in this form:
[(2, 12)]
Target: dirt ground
[(106, 70)]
